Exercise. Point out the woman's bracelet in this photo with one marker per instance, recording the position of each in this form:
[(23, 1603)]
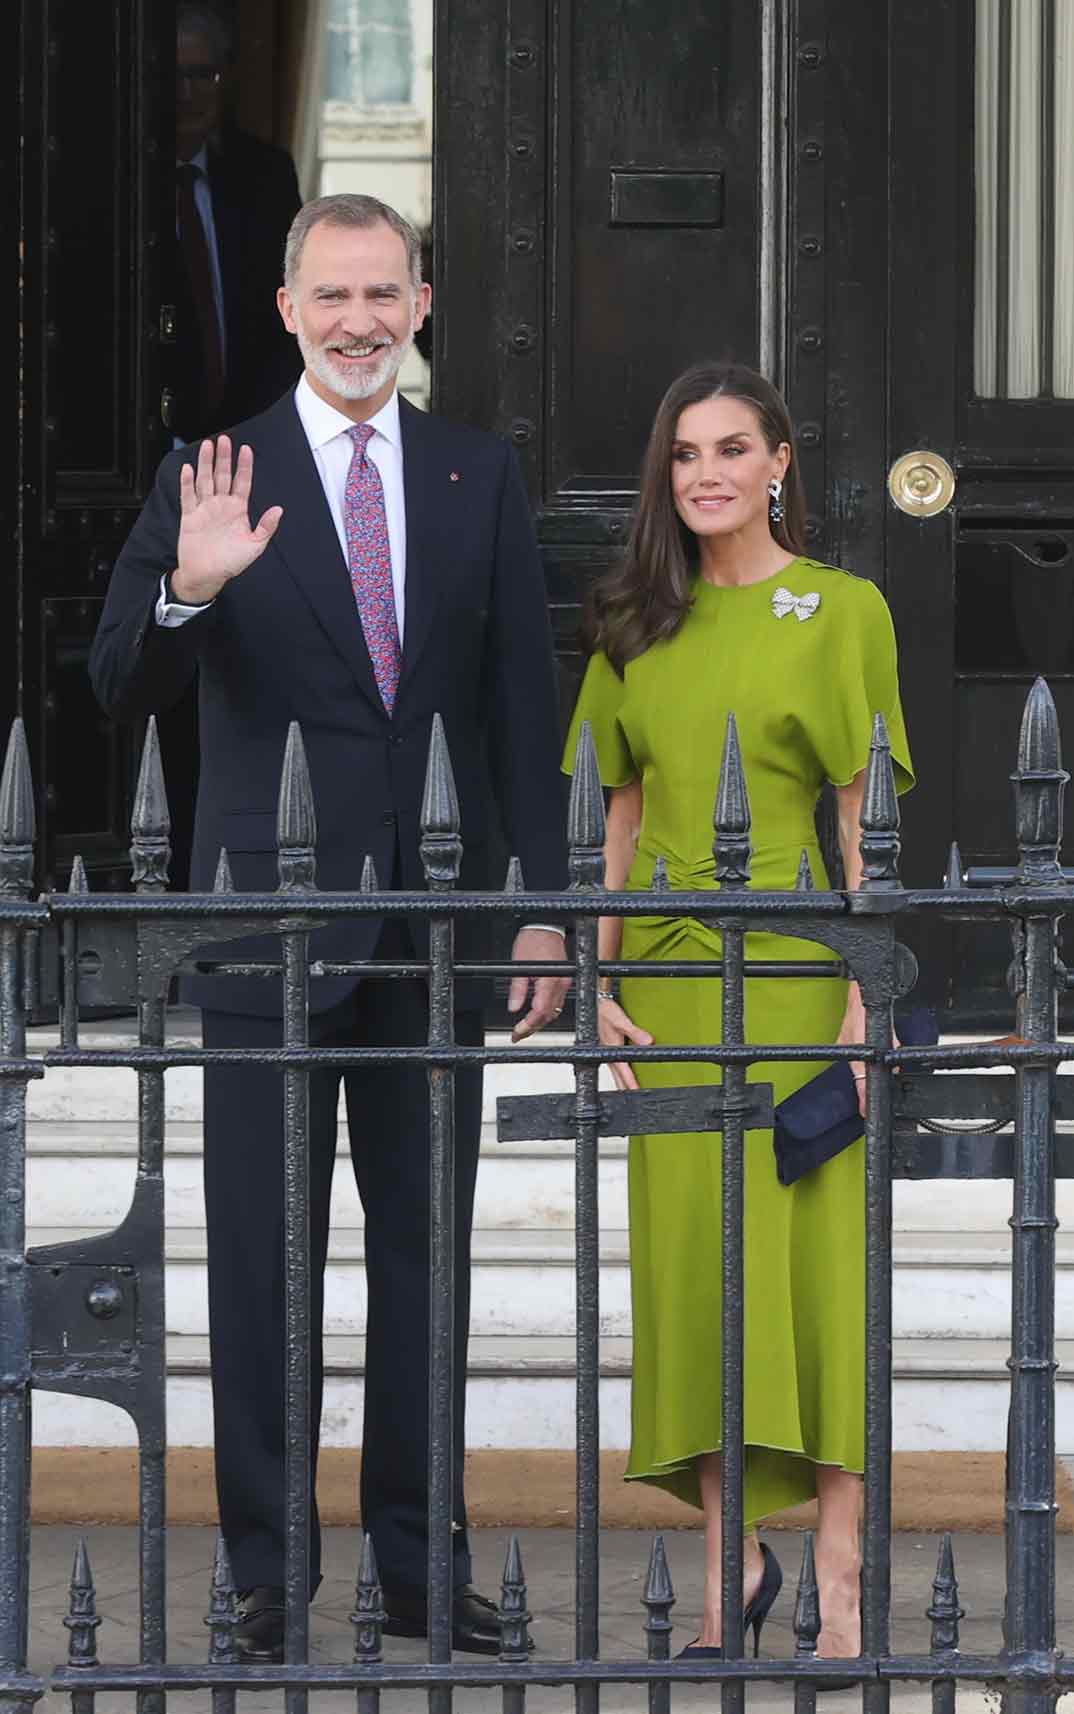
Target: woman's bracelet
[(606, 994)]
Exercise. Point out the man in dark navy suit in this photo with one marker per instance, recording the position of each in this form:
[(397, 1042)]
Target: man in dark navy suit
[(357, 566)]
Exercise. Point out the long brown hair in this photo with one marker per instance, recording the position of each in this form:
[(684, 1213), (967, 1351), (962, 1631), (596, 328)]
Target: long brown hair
[(645, 597)]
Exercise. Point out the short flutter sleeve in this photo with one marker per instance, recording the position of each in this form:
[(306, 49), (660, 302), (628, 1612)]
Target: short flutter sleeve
[(865, 683), (599, 701)]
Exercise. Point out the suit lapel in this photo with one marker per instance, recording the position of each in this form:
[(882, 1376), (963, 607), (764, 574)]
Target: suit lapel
[(306, 540), (423, 474)]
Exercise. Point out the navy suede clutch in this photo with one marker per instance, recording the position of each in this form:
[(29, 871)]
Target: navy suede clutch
[(821, 1119)]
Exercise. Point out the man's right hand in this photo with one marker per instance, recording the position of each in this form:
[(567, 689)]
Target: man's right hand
[(216, 542)]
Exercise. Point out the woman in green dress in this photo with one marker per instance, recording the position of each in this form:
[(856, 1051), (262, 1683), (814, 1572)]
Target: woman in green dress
[(715, 608)]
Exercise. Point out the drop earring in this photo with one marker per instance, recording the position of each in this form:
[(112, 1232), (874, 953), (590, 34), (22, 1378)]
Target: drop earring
[(775, 502)]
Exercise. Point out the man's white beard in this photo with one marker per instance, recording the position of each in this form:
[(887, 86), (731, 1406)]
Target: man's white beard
[(364, 383)]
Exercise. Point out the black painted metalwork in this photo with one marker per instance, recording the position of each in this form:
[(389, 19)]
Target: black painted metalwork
[(222, 1618), (658, 1600), (945, 1613), (806, 1624), (514, 1624), (82, 1622), (368, 1621), (87, 1317)]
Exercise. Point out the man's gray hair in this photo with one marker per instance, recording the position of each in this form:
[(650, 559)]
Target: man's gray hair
[(347, 210), (193, 19)]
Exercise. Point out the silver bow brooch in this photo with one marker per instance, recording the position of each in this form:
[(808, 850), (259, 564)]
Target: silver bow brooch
[(802, 606)]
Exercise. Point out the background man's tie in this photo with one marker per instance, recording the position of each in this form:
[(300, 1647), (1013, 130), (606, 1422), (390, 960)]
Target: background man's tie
[(369, 558), (195, 251)]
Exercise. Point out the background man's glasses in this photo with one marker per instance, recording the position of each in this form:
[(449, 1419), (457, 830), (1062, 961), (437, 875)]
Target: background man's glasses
[(200, 76)]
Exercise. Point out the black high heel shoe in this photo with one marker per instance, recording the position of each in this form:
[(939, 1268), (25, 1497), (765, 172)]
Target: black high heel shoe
[(755, 1615)]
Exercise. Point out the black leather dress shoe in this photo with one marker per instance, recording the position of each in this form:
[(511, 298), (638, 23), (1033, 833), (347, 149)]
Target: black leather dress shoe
[(259, 1633), (475, 1627)]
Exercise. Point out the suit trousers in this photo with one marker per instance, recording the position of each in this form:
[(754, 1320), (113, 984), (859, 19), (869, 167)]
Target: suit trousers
[(388, 1124)]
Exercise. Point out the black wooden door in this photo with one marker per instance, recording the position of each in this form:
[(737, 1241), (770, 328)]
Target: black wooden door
[(600, 211), (980, 371), (846, 196), (90, 94)]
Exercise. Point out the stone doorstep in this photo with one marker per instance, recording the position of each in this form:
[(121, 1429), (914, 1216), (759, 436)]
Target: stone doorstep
[(931, 1490)]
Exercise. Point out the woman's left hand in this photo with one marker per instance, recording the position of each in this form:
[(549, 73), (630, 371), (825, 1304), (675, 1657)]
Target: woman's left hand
[(853, 1030)]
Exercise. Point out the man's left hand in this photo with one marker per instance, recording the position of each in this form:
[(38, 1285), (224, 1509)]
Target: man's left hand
[(533, 945)]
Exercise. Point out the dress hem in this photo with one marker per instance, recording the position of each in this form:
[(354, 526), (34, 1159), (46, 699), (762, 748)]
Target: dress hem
[(660, 1475)]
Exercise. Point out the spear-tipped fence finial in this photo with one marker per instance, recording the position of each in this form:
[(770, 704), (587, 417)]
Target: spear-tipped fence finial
[(880, 841), (370, 880), (81, 1617), (514, 880), (804, 882), (1039, 783), (953, 877), (78, 881), (586, 825), (513, 1616), (223, 1614), (807, 1604), (17, 821), (369, 1613), (441, 845), (945, 1611), (296, 819), (661, 881), (16, 817), (150, 821), (222, 882), (731, 820), (658, 1598)]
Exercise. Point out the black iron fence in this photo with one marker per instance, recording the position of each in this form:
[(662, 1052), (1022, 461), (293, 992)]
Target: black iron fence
[(88, 1317)]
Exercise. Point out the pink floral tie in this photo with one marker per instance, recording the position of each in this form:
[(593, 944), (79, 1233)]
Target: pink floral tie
[(369, 558)]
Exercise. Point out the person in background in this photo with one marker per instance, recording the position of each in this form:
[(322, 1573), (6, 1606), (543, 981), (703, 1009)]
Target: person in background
[(235, 198)]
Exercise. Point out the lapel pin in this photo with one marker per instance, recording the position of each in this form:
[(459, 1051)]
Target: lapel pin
[(454, 476)]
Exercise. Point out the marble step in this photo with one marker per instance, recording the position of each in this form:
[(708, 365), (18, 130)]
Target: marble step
[(81, 1171), (78, 1173), (954, 1285), (520, 1394)]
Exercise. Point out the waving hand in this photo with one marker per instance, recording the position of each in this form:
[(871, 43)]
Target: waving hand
[(216, 541)]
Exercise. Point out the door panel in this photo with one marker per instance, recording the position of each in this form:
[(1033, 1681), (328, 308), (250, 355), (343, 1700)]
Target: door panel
[(597, 229), (983, 594), (95, 103)]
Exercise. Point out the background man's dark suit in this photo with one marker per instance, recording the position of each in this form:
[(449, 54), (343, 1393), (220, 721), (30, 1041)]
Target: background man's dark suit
[(254, 192), (283, 642), (255, 197)]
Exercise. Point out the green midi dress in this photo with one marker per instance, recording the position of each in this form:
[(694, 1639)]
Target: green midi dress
[(804, 691)]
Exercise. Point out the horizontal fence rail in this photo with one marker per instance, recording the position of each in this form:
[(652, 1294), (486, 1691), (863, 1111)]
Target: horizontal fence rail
[(87, 1317)]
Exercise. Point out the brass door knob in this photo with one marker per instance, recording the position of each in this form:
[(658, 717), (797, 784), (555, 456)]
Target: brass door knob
[(921, 483)]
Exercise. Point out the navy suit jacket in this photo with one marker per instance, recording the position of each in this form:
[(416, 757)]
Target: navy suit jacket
[(283, 642)]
